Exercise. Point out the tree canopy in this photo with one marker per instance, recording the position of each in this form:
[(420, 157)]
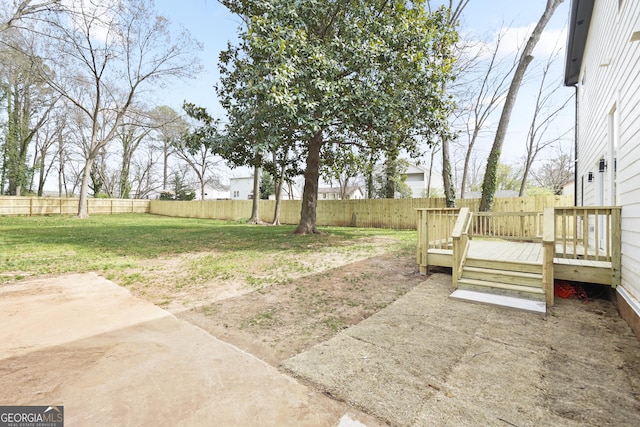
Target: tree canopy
[(311, 73)]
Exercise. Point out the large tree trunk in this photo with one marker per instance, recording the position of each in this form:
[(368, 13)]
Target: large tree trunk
[(427, 192), (467, 160), (489, 182), (307, 223), (165, 164), (276, 211), (61, 184), (279, 182), (447, 178), (390, 171), (125, 185), (255, 205), (83, 212), (523, 183)]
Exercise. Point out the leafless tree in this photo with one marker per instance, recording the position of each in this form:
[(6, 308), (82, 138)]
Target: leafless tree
[(28, 102), (545, 112), (144, 177), (489, 182), (112, 52), (202, 162), (51, 134), (556, 171), (456, 9), (16, 11), (169, 127), (483, 98), (133, 132)]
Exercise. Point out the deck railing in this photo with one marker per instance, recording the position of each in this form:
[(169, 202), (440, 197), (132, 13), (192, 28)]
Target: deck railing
[(434, 232), (460, 237), (587, 238), (589, 233), (520, 226)]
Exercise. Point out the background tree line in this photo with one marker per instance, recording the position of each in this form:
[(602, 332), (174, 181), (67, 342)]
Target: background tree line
[(339, 90)]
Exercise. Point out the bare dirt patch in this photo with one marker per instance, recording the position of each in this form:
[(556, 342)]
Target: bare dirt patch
[(364, 327), (280, 321)]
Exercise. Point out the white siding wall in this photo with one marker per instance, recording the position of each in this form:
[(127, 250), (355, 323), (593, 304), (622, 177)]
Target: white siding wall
[(611, 76), (241, 188)]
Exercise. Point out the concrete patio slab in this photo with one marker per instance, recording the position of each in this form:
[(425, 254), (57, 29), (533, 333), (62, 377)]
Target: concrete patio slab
[(109, 358)]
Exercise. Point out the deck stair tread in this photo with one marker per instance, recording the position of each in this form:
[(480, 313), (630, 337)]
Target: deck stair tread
[(507, 265), (500, 300), (523, 274), (440, 251), (500, 285), (507, 261)]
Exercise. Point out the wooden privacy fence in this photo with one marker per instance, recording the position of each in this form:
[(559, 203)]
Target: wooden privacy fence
[(32, 206), (382, 213)]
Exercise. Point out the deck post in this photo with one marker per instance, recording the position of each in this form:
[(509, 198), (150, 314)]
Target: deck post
[(423, 241), (459, 236), (548, 253), (616, 247)]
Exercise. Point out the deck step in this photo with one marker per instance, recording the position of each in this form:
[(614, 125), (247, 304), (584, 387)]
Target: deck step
[(522, 266), (500, 288), (514, 277), (500, 300)]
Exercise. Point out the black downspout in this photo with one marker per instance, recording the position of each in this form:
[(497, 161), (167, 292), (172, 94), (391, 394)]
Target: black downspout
[(575, 152)]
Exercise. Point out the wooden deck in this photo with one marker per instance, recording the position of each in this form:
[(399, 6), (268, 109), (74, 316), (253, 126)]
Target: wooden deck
[(500, 250), (522, 254), (579, 270)]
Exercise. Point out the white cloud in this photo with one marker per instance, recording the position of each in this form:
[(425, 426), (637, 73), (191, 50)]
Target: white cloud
[(512, 39)]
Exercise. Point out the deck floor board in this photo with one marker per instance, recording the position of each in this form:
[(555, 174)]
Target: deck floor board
[(506, 251), (529, 252)]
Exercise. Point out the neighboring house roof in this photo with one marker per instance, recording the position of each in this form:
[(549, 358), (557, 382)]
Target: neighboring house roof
[(581, 11)]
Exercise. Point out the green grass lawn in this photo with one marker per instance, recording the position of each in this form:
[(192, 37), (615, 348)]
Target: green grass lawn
[(111, 244)]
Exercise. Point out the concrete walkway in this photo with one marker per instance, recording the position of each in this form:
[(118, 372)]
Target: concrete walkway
[(430, 360), (109, 358)]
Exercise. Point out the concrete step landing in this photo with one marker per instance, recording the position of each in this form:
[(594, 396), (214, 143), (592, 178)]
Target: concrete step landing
[(500, 300)]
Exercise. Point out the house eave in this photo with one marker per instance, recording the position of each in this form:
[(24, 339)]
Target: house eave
[(580, 19)]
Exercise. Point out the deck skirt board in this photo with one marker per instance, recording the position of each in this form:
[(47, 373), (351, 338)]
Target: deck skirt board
[(500, 300)]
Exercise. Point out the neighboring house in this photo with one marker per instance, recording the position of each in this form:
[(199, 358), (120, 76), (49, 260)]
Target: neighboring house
[(333, 193), (568, 188), (289, 192), (418, 180), (241, 188), (214, 193), (603, 64)]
